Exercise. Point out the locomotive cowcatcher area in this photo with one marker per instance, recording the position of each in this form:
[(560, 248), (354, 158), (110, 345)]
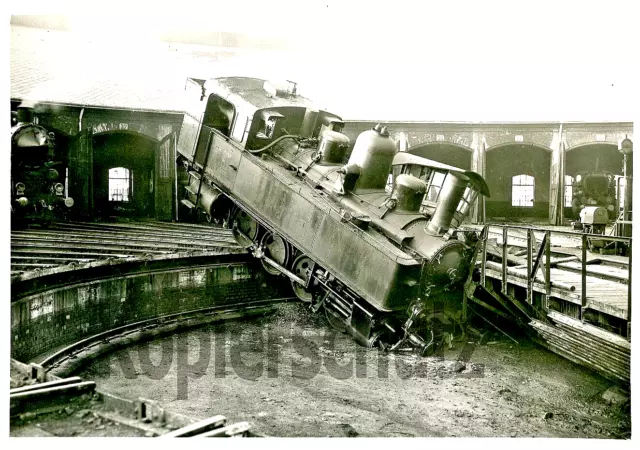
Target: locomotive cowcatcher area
[(226, 257)]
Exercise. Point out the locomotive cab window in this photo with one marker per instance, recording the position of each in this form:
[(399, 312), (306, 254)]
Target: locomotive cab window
[(120, 184), (434, 180), (219, 114), (522, 191), (268, 123)]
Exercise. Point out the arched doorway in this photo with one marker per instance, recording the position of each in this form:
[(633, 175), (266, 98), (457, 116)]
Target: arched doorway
[(445, 152), (124, 174), (518, 179)]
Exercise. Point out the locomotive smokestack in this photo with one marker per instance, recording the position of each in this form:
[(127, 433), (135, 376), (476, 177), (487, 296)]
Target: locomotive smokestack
[(450, 195)]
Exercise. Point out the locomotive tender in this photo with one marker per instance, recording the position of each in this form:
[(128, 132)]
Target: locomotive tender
[(369, 237), (37, 177)]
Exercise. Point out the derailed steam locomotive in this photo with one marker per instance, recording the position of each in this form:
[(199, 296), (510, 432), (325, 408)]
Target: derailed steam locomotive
[(370, 237), (37, 175)]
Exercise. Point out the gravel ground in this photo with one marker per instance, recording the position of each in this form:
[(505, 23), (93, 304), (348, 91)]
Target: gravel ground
[(289, 374)]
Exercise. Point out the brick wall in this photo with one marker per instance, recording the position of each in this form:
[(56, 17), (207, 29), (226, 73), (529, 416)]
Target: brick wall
[(52, 320)]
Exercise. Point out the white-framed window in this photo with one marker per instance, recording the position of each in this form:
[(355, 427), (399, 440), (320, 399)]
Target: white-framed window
[(120, 184), (568, 190), (434, 186), (522, 190), (239, 127)]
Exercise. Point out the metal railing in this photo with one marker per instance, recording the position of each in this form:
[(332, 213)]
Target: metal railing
[(534, 259)]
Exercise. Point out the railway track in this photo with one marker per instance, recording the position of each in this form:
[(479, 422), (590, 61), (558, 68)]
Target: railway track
[(68, 252), (57, 392), (68, 359), (78, 244), (54, 396)]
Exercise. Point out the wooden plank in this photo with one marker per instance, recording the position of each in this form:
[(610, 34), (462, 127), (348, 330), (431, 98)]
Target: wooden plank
[(136, 241), (76, 247), (198, 427), (170, 234), (614, 294), (590, 329), (45, 385)]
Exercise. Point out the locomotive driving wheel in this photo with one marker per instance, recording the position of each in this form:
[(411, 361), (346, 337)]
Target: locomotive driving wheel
[(247, 225), (334, 321), (276, 248), (301, 267)]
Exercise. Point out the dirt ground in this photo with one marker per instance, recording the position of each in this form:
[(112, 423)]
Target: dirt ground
[(79, 418), (289, 374)]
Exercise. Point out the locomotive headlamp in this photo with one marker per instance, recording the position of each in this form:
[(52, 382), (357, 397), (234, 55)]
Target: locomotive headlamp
[(626, 146), (53, 174), (578, 178), (20, 187), (22, 201), (58, 188), (68, 202)]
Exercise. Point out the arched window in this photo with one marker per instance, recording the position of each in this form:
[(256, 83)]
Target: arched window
[(120, 184), (522, 190), (568, 190)]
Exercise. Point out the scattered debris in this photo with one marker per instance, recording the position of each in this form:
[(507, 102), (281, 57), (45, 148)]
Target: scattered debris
[(349, 430), (615, 395)]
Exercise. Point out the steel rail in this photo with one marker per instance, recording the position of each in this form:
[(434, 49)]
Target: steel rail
[(71, 351)]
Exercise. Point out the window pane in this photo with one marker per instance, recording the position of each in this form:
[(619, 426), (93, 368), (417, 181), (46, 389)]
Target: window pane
[(119, 184), (522, 190), (239, 128)]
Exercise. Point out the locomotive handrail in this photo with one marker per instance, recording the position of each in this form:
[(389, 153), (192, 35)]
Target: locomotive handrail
[(570, 233), (534, 261), (277, 141)]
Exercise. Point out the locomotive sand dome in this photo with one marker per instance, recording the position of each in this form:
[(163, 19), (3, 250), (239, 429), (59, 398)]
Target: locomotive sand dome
[(333, 147), (409, 193), (381, 265)]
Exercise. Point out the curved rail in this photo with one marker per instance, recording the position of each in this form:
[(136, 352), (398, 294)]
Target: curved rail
[(201, 315)]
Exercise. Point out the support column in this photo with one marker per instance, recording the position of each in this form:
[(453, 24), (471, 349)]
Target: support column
[(478, 164), (81, 174), (556, 178)]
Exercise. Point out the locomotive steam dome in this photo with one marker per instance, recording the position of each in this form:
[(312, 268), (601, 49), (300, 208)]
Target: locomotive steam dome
[(409, 193), (373, 152), (333, 147)]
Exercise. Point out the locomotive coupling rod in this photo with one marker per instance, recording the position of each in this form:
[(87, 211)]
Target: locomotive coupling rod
[(258, 253)]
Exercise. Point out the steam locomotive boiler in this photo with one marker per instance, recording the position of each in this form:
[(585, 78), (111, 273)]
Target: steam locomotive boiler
[(370, 237), (37, 177)]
